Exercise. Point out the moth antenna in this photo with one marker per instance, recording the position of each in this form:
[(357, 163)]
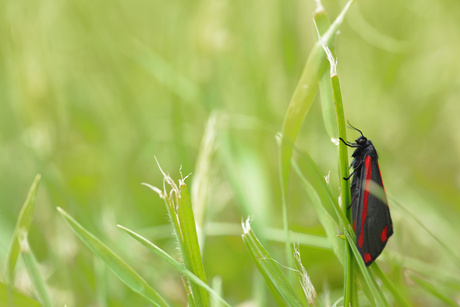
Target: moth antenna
[(351, 126)]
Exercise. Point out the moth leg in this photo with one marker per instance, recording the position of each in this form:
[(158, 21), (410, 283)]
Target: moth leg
[(348, 143)]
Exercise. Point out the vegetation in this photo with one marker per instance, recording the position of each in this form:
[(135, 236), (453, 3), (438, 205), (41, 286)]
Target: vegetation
[(241, 103)]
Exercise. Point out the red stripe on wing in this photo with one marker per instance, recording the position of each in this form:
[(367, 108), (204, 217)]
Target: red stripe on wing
[(367, 165)]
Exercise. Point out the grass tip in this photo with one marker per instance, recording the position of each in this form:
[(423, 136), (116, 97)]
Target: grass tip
[(247, 225)]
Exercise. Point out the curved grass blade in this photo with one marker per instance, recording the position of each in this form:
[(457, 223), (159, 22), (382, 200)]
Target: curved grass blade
[(122, 270), (376, 292), (349, 289), (454, 257), (32, 268), (176, 265), (323, 23), (18, 298), (298, 108), (270, 269), (402, 301), (433, 291), (317, 189), (23, 223), (301, 100)]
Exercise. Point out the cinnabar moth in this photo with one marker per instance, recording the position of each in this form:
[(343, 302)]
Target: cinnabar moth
[(371, 215)]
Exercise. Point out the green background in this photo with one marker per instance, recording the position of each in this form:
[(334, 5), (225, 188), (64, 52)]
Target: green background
[(91, 91)]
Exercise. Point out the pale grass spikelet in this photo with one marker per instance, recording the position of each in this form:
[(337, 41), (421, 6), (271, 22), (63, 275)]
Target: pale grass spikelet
[(305, 282)]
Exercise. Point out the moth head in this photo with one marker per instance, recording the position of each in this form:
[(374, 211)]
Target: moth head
[(361, 140)]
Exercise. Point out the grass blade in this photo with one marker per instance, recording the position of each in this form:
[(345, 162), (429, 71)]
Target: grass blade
[(190, 247), (203, 174), (435, 292), (323, 23), (377, 294), (22, 224), (402, 301), (318, 192), (298, 108), (122, 270), (306, 88), (270, 269), (178, 204), (176, 265), (32, 268), (17, 298)]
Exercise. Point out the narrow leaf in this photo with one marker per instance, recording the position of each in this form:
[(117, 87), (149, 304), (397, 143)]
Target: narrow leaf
[(433, 291), (269, 267), (18, 298), (32, 268), (368, 278), (190, 247), (301, 100), (176, 265), (122, 270), (23, 223)]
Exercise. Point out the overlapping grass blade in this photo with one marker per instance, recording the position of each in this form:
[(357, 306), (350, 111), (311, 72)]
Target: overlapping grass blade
[(32, 268), (176, 265), (17, 298), (454, 257), (402, 301), (321, 199), (376, 292), (301, 100), (323, 23), (277, 282), (201, 184), (22, 224), (190, 247), (122, 270), (180, 209), (298, 108), (447, 301)]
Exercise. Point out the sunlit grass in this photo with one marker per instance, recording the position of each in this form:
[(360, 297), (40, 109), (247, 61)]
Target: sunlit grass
[(92, 91)]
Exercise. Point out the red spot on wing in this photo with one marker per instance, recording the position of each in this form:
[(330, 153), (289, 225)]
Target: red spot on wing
[(384, 234), (367, 165), (367, 257)]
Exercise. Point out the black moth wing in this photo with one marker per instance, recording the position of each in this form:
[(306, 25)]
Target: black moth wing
[(371, 215)]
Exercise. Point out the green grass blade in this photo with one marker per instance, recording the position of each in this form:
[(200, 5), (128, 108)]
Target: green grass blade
[(122, 270), (376, 292), (454, 257), (323, 23), (316, 188), (23, 223), (176, 265), (32, 268), (269, 268), (178, 203), (434, 291), (298, 108), (349, 289), (216, 283), (17, 298), (402, 301), (203, 175), (301, 100), (190, 247)]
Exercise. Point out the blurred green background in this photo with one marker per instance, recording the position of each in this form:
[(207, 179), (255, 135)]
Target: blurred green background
[(91, 91)]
